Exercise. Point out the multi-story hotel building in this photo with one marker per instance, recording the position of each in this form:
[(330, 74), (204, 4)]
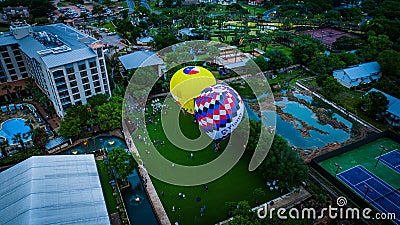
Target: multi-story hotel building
[(68, 65)]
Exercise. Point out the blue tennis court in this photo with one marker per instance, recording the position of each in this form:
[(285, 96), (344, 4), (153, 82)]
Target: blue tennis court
[(392, 160), (376, 191)]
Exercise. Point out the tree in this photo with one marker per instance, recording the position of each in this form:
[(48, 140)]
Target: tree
[(7, 87), (374, 103), (40, 139), (389, 60), (258, 194), (324, 64), (110, 114), (164, 38), (97, 100), (122, 161), (3, 146), (306, 49), (277, 59), (74, 121), (243, 215), (260, 61), (330, 86), (281, 155), (18, 139)]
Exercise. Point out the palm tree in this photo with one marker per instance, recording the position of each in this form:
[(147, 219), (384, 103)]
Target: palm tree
[(18, 139), (3, 146), (7, 88), (29, 122), (40, 139), (18, 90)]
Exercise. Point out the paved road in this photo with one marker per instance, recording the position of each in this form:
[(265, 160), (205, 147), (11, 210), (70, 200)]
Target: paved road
[(144, 3)]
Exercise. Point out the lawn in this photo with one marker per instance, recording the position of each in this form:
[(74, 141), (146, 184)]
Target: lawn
[(106, 186), (236, 185)]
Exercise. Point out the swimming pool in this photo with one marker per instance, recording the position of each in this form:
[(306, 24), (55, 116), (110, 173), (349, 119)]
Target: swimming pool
[(10, 128), (96, 143)]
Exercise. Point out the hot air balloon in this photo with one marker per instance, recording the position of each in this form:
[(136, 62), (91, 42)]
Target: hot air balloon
[(219, 110), (187, 83)]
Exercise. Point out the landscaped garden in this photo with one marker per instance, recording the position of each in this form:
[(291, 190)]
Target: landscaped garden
[(106, 185)]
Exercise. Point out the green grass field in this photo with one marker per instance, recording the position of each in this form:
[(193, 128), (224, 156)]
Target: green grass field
[(107, 188), (237, 185), (365, 156)]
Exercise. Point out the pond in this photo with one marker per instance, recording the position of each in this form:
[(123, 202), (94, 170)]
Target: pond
[(320, 133), (136, 201)]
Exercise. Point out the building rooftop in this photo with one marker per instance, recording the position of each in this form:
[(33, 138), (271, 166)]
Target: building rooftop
[(140, 59), (61, 189), (56, 44), (362, 70), (394, 103)]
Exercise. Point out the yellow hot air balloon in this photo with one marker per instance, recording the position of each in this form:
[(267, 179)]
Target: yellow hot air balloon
[(187, 83)]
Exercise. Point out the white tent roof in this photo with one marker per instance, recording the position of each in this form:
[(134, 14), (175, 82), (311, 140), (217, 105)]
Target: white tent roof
[(62, 189)]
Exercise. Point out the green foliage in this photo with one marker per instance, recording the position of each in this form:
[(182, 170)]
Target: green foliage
[(347, 43), (281, 155), (37, 8), (260, 61), (163, 39), (122, 161), (374, 103), (74, 121), (258, 194), (324, 64), (330, 86), (306, 49), (277, 59), (243, 215), (110, 114), (97, 100), (39, 138), (389, 60)]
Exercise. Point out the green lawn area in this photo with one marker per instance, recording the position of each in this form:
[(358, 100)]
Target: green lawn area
[(236, 185), (108, 25), (365, 156), (106, 186)]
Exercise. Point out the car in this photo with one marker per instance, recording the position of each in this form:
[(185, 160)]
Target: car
[(111, 33)]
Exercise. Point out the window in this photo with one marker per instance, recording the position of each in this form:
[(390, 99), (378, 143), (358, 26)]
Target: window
[(75, 90), (76, 97), (58, 73), (8, 60), (97, 90), (24, 75), (10, 66), (11, 71), (85, 80), (73, 84), (5, 54), (82, 66), (95, 77), (22, 69), (69, 69), (99, 52), (83, 74), (87, 93), (96, 83), (86, 86), (18, 58), (20, 64), (93, 71), (14, 77), (92, 64), (71, 77)]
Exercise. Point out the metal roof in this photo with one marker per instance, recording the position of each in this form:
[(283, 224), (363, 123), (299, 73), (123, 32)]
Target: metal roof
[(7, 40), (55, 142), (140, 59), (54, 60), (61, 189), (394, 103), (362, 70)]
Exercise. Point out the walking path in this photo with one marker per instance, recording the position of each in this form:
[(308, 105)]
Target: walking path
[(149, 187)]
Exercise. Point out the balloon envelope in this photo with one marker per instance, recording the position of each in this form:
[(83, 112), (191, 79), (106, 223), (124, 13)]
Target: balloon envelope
[(187, 83), (219, 110)]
